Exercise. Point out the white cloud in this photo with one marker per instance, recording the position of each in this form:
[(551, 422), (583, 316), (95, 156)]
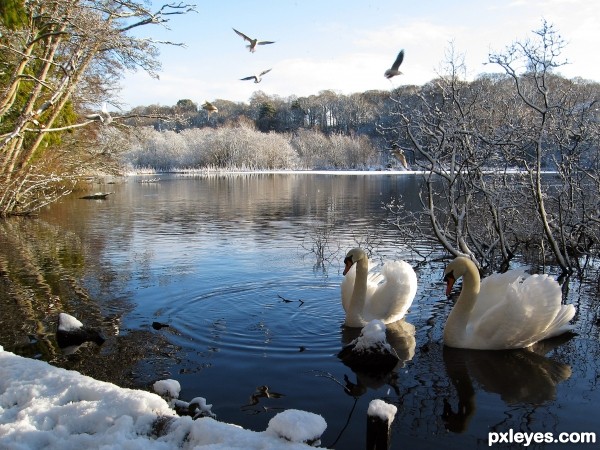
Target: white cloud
[(349, 51)]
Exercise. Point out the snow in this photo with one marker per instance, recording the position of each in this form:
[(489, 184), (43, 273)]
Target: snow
[(167, 388), (67, 323), (372, 337), (297, 426), (45, 407), (383, 410)]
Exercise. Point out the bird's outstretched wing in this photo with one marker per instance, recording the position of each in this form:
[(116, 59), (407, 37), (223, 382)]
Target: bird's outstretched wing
[(265, 42), (265, 72), (251, 77), (242, 35), (399, 60)]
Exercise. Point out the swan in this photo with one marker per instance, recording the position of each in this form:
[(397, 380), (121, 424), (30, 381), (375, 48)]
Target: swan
[(504, 311), (385, 296)]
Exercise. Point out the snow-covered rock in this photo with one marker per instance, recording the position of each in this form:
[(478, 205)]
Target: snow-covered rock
[(298, 426), (72, 333), (370, 351)]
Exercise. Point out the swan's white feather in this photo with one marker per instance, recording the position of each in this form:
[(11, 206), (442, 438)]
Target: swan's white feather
[(515, 310), (394, 295), (389, 292), (493, 290)]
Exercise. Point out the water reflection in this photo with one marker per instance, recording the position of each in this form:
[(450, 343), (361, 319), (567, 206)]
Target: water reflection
[(220, 261), (522, 376), (400, 335), (260, 401), (42, 274)]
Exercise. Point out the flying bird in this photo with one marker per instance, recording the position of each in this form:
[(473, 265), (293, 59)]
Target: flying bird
[(393, 71), (210, 108), (256, 78), (399, 155), (252, 42)]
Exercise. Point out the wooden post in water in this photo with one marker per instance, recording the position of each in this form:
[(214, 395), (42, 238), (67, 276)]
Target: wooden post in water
[(380, 416)]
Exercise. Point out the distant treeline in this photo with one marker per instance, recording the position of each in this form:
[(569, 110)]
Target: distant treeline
[(380, 116), (244, 147)]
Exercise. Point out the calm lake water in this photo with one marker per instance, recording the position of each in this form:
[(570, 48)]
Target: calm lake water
[(230, 264)]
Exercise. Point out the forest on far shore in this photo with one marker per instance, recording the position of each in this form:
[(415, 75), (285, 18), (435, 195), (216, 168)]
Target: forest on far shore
[(483, 146), (331, 130)]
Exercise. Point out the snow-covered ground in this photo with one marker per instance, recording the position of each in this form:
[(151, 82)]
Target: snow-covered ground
[(45, 407), (209, 171)]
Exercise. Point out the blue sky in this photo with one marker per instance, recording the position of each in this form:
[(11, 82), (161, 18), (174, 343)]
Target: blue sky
[(346, 45)]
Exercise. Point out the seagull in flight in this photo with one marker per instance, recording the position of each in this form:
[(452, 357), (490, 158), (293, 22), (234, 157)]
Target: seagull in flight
[(393, 71), (256, 78), (253, 42)]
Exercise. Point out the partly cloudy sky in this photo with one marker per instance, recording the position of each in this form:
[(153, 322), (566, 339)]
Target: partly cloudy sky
[(346, 45)]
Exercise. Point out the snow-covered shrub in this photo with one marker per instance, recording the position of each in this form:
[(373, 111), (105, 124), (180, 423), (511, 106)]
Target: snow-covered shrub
[(312, 147), (318, 151), (243, 147)]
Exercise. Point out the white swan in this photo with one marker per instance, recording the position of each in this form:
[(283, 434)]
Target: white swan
[(385, 296), (504, 311)]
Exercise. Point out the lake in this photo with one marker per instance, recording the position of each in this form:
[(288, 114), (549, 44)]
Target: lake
[(245, 270)]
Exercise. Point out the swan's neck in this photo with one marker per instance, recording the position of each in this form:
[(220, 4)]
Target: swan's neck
[(359, 294), (458, 319)]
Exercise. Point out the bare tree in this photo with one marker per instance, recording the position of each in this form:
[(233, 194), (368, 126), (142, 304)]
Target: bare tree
[(486, 148), (64, 55), (560, 134), (461, 208)]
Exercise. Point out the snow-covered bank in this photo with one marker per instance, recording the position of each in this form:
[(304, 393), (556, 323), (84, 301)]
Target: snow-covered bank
[(242, 171), (45, 407), (216, 171)]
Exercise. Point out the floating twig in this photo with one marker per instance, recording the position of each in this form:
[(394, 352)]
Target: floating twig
[(287, 300)]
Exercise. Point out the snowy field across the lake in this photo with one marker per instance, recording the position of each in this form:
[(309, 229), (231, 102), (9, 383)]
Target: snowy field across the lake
[(45, 407)]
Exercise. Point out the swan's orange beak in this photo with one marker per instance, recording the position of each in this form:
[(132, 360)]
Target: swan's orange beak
[(348, 262), (449, 279)]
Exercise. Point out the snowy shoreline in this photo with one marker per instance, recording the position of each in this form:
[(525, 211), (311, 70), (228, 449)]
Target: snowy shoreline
[(45, 407), (242, 171)]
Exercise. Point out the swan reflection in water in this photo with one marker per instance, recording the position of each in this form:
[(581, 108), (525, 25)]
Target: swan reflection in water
[(518, 376), (400, 335)]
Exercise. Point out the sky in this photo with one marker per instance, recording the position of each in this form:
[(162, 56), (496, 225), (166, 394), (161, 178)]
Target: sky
[(346, 45)]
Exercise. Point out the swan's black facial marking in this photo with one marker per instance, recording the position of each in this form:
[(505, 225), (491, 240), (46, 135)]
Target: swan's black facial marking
[(449, 279), (348, 263)]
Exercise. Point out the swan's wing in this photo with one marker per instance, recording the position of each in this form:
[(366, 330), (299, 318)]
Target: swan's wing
[(374, 280), (541, 298), (529, 310), (392, 296), (493, 291)]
